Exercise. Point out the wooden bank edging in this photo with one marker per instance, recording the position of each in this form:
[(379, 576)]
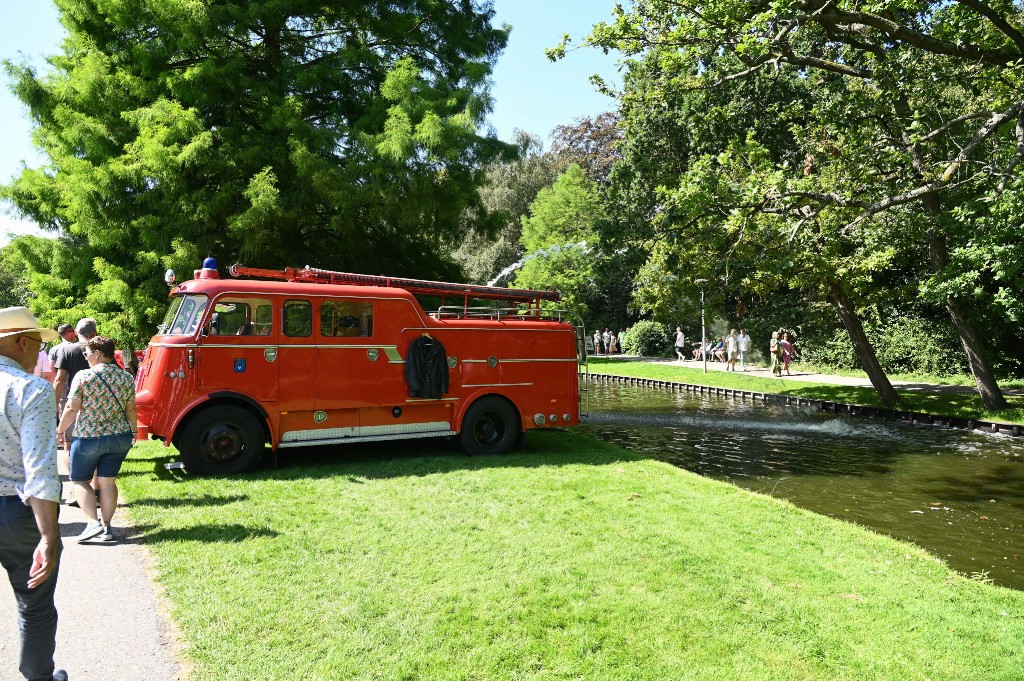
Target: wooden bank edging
[(823, 405)]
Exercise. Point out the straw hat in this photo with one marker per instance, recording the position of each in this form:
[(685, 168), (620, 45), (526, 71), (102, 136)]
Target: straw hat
[(17, 320)]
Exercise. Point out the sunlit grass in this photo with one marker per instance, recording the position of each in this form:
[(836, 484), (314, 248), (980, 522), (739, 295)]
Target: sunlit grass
[(962, 405), (571, 560), (966, 380)]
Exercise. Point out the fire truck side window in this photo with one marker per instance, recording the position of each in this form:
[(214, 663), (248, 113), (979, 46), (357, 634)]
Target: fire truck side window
[(298, 318), (346, 318), (241, 317)]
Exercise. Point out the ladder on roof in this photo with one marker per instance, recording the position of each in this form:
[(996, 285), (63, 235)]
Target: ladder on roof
[(415, 286)]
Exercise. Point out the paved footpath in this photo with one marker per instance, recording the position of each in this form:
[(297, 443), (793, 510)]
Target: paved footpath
[(112, 625), (799, 374)]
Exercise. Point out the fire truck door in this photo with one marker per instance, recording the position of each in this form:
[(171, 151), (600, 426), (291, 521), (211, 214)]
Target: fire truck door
[(519, 359), (296, 365), (237, 349), (348, 361)]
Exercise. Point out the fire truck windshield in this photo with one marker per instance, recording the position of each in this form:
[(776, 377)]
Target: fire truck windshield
[(184, 315)]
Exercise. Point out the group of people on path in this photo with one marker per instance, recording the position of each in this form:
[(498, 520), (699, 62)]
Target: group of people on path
[(782, 352), (90, 406), (734, 348), (731, 349), (607, 343)]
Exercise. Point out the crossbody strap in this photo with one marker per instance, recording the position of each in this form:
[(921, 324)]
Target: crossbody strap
[(131, 426)]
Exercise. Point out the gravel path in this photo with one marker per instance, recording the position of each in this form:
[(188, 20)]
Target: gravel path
[(112, 625)]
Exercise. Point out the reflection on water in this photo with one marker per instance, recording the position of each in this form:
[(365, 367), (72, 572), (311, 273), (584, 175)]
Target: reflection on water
[(959, 494)]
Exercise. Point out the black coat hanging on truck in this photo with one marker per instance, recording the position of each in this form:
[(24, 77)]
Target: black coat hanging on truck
[(426, 368)]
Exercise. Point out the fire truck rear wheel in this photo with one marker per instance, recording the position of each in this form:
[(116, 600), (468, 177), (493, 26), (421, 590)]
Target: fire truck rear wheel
[(491, 426), (222, 440)]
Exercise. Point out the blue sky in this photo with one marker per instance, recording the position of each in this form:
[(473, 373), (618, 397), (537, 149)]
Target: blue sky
[(529, 92)]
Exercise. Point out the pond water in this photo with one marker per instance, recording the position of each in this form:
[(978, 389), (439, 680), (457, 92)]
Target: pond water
[(959, 494)]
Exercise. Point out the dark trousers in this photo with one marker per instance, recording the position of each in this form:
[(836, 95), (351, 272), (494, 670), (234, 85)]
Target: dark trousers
[(37, 616)]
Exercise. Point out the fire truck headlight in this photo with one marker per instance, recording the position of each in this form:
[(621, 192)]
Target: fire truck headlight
[(566, 417), (538, 419), (553, 418)]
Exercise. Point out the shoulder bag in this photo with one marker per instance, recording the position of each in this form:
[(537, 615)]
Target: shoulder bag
[(131, 426)]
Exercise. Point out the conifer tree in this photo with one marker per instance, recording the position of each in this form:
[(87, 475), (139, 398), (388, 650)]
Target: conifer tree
[(276, 132)]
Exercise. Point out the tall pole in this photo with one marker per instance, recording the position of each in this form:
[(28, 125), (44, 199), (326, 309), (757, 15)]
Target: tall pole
[(703, 342), (703, 338)]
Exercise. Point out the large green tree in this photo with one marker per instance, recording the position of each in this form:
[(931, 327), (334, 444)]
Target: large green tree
[(278, 132), (489, 253), (560, 239), (913, 148)]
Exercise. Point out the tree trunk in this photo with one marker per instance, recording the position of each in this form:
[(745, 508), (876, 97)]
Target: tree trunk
[(984, 379), (861, 345), (988, 389)]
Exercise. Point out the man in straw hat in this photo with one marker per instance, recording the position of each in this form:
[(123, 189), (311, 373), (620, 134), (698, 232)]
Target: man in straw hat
[(30, 543)]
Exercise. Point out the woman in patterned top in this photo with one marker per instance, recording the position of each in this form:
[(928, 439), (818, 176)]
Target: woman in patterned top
[(102, 398)]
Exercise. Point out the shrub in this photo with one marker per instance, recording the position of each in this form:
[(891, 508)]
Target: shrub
[(831, 352), (904, 344), (650, 339), (910, 345)]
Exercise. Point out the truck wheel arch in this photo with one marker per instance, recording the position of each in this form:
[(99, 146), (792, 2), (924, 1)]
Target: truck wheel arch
[(223, 398)]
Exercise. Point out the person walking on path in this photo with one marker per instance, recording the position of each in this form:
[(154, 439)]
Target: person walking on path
[(775, 349), (67, 337), (732, 348), (786, 344), (30, 544), (744, 348), (102, 399), (680, 343), (71, 360), (43, 367)]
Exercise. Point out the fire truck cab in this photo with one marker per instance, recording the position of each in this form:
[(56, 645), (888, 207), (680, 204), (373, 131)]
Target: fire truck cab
[(314, 357)]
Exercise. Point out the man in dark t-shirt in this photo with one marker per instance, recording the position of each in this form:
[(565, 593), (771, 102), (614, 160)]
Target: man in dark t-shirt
[(68, 338), (70, 359)]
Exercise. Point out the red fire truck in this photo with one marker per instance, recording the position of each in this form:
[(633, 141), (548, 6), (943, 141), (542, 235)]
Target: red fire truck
[(315, 357)]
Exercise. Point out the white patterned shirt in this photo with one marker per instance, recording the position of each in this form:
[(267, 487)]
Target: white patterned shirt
[(28, 435), (102, 412)]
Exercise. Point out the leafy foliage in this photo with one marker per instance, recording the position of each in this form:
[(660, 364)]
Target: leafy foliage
[(885, 138), (276, 132), (591, 143), (13, 280), (559, 238), (905, 344), (509, 189), (649, 339)]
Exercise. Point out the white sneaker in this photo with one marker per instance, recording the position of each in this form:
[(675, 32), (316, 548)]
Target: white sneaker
[(94, 528)]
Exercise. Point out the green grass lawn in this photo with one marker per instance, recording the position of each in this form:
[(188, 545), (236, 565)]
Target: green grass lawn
[(945, 404), (571, 560)]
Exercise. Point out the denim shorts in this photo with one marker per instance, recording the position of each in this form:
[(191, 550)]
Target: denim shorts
[(101, 455)]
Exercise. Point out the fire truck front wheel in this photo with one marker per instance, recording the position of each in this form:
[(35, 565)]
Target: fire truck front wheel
[(222, 440), (491, 426)]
